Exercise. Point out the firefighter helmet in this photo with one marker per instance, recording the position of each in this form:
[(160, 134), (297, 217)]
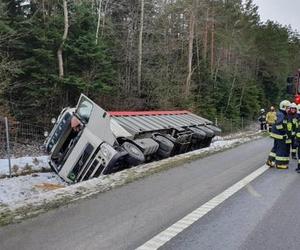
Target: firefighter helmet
[(284, 105), (262, 111), (293, 105), (293, 109)]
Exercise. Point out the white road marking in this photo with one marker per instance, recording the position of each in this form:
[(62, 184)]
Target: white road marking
[(169, 233)]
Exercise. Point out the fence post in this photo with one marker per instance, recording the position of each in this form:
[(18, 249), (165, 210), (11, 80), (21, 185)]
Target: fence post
[(7, 145)]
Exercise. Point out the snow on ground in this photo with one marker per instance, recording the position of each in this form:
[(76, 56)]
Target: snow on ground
[(24, 164), (34, 193), (236, 135), (19, 189)]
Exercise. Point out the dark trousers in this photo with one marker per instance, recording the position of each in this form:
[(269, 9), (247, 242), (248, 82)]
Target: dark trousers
[(270, 128), (282, 152), (272, 154), (263, 126), (294, 147)]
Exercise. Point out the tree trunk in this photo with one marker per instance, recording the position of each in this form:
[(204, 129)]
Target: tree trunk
[(43, 7), (242, 96), (129, 57), (190, 54), (140, 49), (98, 22), (217, 69), (103, 19), (64, 38), (232, 86), (205, 35), (198, 55), (212, 43)]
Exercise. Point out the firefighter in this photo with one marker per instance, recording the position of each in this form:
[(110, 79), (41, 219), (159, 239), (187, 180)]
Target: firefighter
[(292, 125), (262, 120), (271, 118), (279, 155), (297, 139)]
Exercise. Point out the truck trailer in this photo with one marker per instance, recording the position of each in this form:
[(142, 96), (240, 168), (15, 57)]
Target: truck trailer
[(87, 141)]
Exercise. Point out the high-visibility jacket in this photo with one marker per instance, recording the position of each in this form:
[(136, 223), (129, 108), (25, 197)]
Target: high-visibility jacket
[(271, 117), (279, 128), (291, 126)]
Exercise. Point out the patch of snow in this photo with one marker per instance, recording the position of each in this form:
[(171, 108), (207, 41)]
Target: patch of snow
[(236, 135), (19, 165), (20, 189)]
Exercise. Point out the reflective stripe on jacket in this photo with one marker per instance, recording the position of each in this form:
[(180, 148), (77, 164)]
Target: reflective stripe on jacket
[(279, 128), (292, 125)]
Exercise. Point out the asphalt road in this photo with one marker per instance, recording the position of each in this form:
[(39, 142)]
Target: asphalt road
[(264, 215), (127, 217)]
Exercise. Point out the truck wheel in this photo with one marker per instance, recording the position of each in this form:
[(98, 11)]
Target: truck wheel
[(207, 142), (163, 154), (208, 131), (136, 156), (164, 143), (216, 130), (198, 133)]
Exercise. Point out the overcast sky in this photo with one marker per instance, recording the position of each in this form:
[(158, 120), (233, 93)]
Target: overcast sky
[(283, 11)]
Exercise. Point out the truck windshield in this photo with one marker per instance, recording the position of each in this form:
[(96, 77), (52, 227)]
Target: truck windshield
[(84, 109)]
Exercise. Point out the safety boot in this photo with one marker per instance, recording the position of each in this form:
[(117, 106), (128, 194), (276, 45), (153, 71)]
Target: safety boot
[(271, 164), (282, 167), (298, 169)]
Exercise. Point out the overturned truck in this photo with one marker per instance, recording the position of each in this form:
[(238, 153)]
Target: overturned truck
[(86, 141)]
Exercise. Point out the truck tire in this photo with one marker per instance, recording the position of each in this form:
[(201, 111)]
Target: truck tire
[(198, 133), (162, 154), (164, 143), (135, 155), (216, 130), (208, 131), (207, 142)]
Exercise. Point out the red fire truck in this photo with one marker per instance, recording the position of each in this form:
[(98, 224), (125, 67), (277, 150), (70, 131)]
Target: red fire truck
[(293, 87)]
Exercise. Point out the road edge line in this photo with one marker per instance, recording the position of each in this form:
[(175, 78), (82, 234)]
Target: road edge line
[(164, 236)]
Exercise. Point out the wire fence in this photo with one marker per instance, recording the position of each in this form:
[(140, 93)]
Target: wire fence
[(21, 138), (234, 125)]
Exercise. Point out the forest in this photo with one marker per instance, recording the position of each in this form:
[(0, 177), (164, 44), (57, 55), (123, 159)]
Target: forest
[(213, 57)]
